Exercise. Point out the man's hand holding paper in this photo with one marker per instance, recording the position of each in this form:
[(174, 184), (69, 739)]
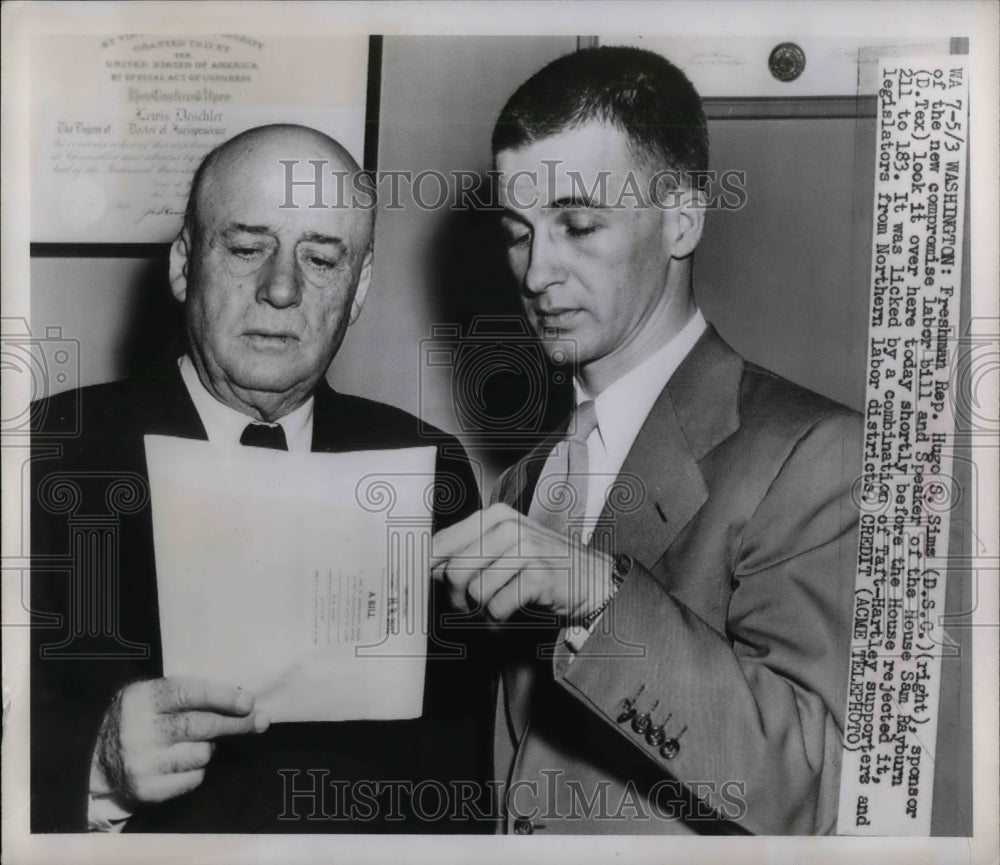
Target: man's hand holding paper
[(158, 735), (289, 579)]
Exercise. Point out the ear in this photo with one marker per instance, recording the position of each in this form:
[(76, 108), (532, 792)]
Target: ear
[(686, 221), (364, 283), (180, 251)]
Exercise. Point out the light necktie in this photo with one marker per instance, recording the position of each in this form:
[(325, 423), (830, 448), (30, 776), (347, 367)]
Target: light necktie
[(259, 435), (562, 493)]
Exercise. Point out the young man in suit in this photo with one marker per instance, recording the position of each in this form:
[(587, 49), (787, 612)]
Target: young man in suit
[(269, 291), (689, 534)]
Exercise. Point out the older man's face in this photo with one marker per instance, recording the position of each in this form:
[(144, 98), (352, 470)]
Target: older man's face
[(270, 291)]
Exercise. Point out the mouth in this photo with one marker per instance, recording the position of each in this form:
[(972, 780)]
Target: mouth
[(556, 318), (270, 338)]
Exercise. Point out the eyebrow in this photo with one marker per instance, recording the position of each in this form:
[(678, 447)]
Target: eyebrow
[(511, 213), (567, 201), (243, 228), (308, 237), (316, 237)]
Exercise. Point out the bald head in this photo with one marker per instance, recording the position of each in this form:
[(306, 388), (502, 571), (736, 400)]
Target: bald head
[(270, 281), (265, 147)]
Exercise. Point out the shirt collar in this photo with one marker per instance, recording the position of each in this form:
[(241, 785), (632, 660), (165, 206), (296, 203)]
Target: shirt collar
[(225, 424), (623, 406)]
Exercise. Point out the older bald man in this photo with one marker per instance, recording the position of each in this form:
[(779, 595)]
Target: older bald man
[(269, 292)]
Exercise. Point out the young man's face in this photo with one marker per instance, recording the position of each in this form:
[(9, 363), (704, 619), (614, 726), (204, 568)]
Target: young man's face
[(591, 262)]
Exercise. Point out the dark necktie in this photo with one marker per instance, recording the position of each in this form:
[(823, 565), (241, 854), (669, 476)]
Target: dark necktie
[(260, 435), (562, 494)]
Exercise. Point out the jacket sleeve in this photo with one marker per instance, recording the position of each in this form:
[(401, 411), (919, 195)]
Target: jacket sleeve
[(77, 663), (65, 716), (756, 712), (91, 622)]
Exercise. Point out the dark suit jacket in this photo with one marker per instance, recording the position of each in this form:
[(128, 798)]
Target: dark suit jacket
[(96, 628), (730, 635)]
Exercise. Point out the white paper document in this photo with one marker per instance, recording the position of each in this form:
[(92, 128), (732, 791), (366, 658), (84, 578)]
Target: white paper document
[(303, 578)]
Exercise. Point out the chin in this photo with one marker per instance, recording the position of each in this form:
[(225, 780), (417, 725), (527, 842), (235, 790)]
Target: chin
[(562, 350), (264, 377)]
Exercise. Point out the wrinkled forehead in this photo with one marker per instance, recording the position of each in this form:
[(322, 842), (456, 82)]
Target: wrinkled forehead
[(593, 163), (294, 189)]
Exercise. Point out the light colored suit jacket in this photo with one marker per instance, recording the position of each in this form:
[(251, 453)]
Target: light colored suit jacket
[(710, 698)]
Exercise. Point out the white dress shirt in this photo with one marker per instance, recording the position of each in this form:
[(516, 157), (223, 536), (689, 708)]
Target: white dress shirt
[(622, 408), (224, 426)]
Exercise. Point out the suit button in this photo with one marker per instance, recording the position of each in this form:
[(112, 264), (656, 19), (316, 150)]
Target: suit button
[(640, 723), (627, 715), (655, 736), (523, 827), (671, 748)]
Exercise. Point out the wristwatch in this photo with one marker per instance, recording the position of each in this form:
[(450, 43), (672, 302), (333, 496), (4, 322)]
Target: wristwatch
[(622, 565)]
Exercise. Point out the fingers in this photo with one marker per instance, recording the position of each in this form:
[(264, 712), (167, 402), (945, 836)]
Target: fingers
[(498, 531), (463, 550), (155, 749), (180, 693), (507, 599), (449, 541), (155, 774), (159, 788), (185, 756), (196, 726), (470, 533), (465, 578), (481, 589), (511, 590), (451, 563), (458, 580), (522, 583), (505, 545)]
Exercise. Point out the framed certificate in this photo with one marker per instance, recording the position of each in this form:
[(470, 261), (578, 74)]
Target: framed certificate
[(122, 121)]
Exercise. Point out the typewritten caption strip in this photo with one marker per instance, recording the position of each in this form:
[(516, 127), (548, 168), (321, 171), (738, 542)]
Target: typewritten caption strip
[(906, 483)]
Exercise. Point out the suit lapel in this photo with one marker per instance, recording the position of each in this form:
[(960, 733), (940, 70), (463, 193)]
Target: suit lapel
[(661, 488), (705, 391), (169, 410), (343, 423), (695, 412), (661, 485), (327, 421)]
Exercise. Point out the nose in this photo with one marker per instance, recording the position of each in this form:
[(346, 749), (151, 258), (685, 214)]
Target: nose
[(280, 285), (544, 264)]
